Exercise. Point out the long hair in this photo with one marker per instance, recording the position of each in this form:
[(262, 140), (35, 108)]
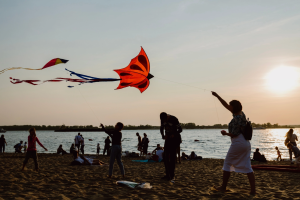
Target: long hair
[(33, 132), (289, 134)]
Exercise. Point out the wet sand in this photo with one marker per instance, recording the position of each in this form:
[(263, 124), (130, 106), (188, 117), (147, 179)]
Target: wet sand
[(194, 180)]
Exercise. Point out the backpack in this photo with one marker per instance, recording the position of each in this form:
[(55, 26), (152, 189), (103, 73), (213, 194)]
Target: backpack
[(248, 130), (16, 146)]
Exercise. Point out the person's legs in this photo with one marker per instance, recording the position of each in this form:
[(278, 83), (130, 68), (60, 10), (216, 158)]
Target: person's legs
[(82, 149), (252, 182), (172, 162), (291, 154), (27, 156), (113, 154), (178, 154), (1, 146), (167, 161), (226, 176), (35, 159), (119, 161)]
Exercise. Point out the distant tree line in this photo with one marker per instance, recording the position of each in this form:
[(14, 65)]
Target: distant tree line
[(133, 127)]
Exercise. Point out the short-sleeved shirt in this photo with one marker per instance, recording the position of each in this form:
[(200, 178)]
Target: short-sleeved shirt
[(77, 139), (78, 159), (116, 136), (160, 154), (293, 138), (237, 124), (19, 146), (107, 142)]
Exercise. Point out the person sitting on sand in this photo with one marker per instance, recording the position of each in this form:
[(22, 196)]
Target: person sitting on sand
[(258, 157), (157, 154), (238, 156), (81, 160), (18, 147), (60, 150), (31, 151), (194, 156), (278, 153), (184, 156), (296, 151), (157, 148), (116, 149), (72, 148)]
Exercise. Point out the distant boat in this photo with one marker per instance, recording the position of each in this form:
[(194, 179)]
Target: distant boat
[(259, 128), (2, 130)]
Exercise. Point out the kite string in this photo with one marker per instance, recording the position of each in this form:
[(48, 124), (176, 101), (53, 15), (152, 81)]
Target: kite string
[(205, 90)]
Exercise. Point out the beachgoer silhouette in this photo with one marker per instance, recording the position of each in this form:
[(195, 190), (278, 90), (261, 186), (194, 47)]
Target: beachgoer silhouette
[(238, 156), (107, 146), (172, 128), (2, 144)]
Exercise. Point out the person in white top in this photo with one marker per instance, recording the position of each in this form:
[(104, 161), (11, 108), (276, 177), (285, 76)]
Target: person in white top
[(81, 160), (82, 145), (77, 140), (160, 153), (291, 138)]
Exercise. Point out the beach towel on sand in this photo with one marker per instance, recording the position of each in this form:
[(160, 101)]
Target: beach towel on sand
[(146, 161)]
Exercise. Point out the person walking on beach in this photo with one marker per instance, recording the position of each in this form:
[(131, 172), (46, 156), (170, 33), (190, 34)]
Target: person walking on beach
[(77, 141), (82, 145), (278, 154), (238, 156), (116, 149), (2, 144), (291, 138), (140, 145), (145, 143), (172, 137), (31, 151), (107, 146)]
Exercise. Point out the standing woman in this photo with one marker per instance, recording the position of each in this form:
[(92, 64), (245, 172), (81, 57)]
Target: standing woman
[(140, 145), (238, 156), (292, 138), (145, 142), (31, 150), (2, 144)]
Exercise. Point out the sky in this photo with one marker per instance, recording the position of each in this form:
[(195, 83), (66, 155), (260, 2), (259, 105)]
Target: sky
[(194, 47)]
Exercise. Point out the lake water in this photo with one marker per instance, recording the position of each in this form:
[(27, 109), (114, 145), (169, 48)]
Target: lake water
[(211, 143)]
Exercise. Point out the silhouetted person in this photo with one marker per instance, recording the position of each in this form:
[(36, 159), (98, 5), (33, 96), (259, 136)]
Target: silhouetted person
[(72, 148), (2, 144), (61, 150), (140, 144), (145, 143), (77, 141), (172, 128), (107, 146)]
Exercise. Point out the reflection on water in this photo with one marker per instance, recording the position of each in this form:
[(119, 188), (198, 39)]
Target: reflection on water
[(211, 143)]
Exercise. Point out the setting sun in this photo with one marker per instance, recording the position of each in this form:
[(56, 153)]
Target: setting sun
[(283, 79)]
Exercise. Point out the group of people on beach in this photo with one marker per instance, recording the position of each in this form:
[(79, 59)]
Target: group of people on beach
[(237, 158)]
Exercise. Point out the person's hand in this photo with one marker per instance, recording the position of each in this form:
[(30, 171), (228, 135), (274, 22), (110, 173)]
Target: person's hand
[(223, 132), (102, 125), (214, 94)]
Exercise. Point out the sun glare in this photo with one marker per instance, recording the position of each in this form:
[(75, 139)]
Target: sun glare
[(283, 79)]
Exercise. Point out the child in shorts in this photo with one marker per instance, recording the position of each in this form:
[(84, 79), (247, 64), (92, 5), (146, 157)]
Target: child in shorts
[(278, 153)]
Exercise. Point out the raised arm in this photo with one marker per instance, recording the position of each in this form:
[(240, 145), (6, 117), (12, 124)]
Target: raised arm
[(105, 130), (223, 102)]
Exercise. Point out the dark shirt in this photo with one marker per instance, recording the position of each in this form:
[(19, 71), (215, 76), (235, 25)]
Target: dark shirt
[(256, 156), (72, 149), (2, 141), (172, 129), (145, 141), (139, 140), (107, 142), (116, 136)]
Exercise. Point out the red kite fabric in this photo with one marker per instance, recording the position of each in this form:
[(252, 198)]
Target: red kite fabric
[(136, 74), (52, 62)]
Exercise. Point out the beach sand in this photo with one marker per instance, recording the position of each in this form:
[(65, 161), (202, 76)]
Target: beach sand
[(194, 180)]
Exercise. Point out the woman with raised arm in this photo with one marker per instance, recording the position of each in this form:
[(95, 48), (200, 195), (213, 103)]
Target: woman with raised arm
[(238, 155)]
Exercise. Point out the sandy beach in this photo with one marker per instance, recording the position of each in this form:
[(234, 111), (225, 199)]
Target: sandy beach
[(194, 180)]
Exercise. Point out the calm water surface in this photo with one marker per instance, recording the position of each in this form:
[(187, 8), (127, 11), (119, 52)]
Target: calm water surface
[(211, 143)]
